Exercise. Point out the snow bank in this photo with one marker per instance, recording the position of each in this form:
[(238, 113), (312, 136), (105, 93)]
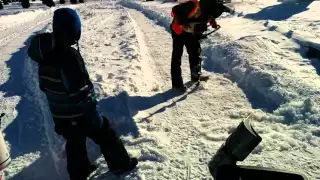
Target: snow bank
[(15, 8), (19, 18), (14, 15)]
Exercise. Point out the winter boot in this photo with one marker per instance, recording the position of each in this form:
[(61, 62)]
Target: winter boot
[(200, 78), (73, 1), (130, 166), (84, 173), (196, 77), (25, 4), (90, 169), (181, 89), (49, 3)]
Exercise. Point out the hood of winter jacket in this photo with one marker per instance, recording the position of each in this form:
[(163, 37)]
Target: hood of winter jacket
[(40, 47)]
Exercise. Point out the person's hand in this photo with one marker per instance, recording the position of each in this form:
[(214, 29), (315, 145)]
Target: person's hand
[(232, 11), (214, 24), (229, 10), (186, 26)]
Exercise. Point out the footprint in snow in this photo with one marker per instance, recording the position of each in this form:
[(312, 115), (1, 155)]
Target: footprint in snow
[(138, 67), (99, 78), (133, 88), (123, 17), (152, 155), (156, 88), (120, 24), (110, 75)]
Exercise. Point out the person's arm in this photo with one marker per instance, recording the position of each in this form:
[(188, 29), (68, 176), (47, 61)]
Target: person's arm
[(228, 9), (181, 12), (213, 23), (217, 10), (73, 71), (40, 48)]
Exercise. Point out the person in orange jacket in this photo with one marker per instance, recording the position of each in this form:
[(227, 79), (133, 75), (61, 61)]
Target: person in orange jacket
[(189, 22)]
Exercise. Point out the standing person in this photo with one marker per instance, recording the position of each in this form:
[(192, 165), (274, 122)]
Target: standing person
[(5, 158), (65, 81), (189, 21)]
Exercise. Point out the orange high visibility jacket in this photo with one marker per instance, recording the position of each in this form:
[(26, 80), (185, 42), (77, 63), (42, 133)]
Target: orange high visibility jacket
[(176, 27)]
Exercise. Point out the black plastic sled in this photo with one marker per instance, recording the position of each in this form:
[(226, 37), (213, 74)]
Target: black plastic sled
[(242, 141), (255, 173)]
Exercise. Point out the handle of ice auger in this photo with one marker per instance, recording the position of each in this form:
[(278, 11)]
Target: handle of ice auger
[(207, 34)]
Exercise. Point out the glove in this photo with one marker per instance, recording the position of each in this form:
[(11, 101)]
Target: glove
[(229, 10), (214, 23), (186, 26), (232, 11)]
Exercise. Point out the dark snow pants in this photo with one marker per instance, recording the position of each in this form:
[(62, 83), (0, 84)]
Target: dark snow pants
[(193, 47), (98, 129)]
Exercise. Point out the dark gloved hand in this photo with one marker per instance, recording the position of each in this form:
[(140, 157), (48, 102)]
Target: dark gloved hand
[(229, 10), (232, 11), (214, 23), (199, 28)]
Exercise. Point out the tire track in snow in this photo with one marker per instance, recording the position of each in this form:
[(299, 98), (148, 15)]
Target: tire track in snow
[(9, 34), (164, 77), (117, 71)]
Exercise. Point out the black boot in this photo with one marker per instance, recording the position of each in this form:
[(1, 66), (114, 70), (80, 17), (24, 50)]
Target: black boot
[(84, 173), (90, 169), (199, 78), (25, 4), (129, 167), (181, 89)]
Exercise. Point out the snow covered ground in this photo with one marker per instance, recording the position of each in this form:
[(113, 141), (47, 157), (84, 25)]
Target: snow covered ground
[(258, 70)]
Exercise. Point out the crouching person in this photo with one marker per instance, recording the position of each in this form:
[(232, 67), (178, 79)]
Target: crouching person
[(65, 81)]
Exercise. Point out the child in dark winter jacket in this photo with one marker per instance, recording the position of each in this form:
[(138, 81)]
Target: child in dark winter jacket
[(71, 98), (189, 22)]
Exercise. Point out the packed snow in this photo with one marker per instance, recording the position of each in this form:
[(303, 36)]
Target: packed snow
[(258, 67)]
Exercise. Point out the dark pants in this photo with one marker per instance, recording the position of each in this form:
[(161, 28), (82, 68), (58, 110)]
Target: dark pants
[(192, 44), (76, 131)]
